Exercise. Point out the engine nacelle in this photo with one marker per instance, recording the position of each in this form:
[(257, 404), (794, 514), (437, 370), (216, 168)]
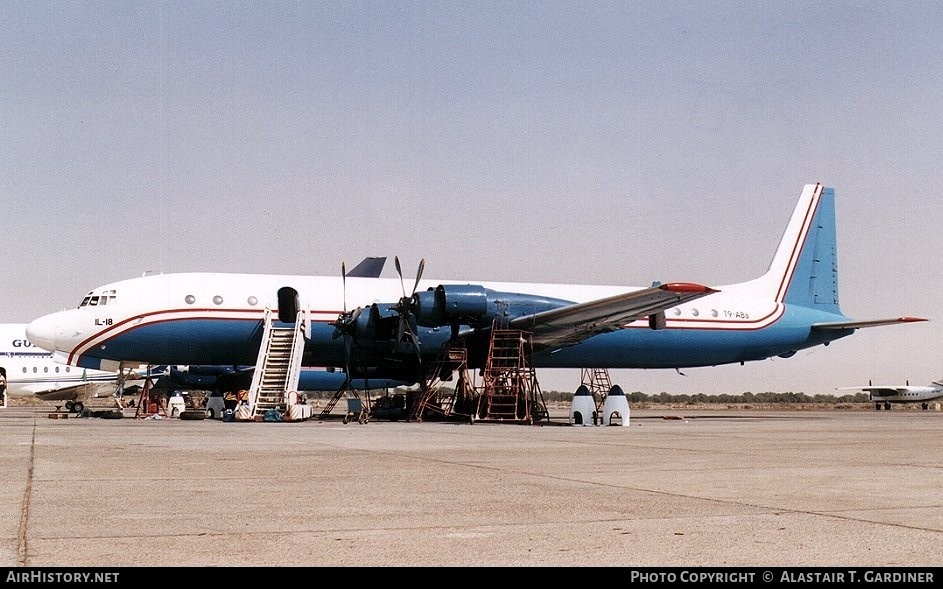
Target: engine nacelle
[(452, 303)]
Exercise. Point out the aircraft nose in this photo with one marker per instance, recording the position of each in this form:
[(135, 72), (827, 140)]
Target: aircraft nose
[(43, 332)]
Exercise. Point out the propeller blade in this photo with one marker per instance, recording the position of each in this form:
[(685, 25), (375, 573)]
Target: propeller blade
[(344, 285), (404, 307), (422, 264), (415, 340), (399, 270)]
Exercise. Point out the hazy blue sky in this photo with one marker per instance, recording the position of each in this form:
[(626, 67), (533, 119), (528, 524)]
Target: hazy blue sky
[(590, 142)]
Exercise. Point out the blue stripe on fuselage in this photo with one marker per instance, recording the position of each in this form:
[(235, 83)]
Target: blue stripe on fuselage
[(204, 341), (189, 341), (236, 341), (679, 348)]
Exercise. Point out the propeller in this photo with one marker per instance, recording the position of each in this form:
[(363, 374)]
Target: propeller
[(346, 322), (405, 305), (343, 320)]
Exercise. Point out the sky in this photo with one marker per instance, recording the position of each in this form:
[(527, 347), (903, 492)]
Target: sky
[(600, 142)]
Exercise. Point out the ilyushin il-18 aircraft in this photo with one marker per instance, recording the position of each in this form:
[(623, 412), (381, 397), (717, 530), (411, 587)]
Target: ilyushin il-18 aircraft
[(217, 318)]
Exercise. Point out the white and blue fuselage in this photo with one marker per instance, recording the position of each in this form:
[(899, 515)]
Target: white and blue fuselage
[(215, 318)]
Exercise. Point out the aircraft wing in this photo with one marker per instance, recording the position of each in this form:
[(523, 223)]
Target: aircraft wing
[(208, 377), (572, 324), (72, 392), (838, 325), (885, 391)]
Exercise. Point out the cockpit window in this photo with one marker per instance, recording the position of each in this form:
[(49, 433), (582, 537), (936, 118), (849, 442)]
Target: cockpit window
[(97, 300)]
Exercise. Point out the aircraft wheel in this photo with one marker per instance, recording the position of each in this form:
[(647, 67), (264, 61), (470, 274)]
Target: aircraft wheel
[(69, 405), (925, 406), (887, 406), (877, 406), (78, 407)]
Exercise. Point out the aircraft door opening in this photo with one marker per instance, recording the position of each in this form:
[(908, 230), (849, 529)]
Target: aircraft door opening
[(287, 304)]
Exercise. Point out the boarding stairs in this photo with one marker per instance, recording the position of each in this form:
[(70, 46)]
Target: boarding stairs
[(278, 366)]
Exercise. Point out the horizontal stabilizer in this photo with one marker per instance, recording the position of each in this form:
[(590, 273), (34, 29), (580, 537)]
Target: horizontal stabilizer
[(840, 325)]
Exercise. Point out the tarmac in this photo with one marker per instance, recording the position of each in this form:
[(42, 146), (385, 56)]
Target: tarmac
[(718, 488)]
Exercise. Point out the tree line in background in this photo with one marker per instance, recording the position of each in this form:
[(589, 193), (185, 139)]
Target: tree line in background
[(768, 397), (640, 397)]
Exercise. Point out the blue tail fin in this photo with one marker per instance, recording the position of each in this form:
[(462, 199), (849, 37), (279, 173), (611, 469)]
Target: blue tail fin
[(804, 270)]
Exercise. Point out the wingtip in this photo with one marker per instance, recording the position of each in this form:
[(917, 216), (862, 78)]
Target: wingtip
[(687, 287)]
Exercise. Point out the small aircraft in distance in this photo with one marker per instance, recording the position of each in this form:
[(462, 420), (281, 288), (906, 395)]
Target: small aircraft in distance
[(885, 395), (219, 319)]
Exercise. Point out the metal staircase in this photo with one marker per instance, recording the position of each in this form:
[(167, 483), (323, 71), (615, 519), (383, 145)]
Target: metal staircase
[(278, 366), (433, 400), (510, 391), (351, 392), (598, 382)]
